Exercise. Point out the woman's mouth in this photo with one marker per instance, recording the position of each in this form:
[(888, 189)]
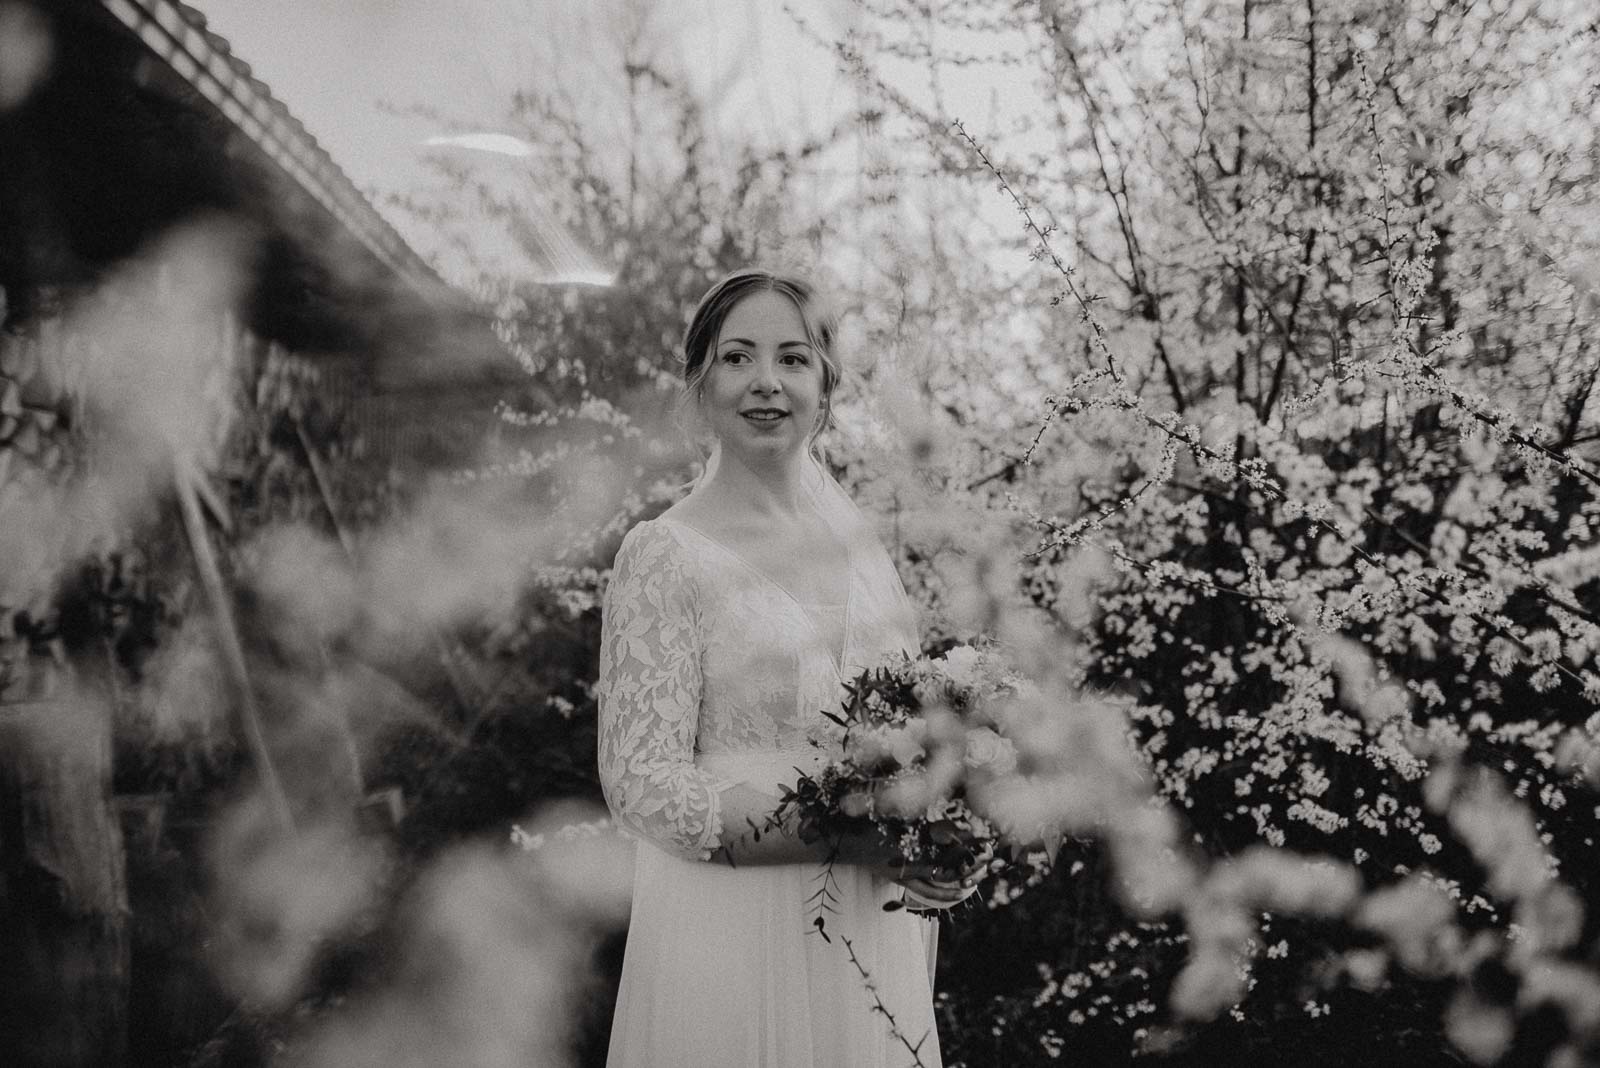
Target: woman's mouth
[(763, 415)]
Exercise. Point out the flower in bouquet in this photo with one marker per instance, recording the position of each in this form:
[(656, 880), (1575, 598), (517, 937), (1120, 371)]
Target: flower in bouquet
[(889, 746), (913, 735), (989, 752)]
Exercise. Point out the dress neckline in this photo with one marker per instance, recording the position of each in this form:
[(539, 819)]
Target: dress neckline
[(836, 661)]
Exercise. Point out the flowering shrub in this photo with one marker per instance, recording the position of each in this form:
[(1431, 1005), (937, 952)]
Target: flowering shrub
[(1307, 486)]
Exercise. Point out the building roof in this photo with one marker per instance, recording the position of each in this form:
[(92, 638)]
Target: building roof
[(177, 33)]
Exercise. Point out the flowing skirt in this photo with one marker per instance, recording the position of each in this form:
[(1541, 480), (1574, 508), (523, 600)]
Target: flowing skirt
[(724, 967)]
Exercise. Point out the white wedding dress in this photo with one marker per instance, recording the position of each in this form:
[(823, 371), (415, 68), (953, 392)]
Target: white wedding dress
[(711, 674)]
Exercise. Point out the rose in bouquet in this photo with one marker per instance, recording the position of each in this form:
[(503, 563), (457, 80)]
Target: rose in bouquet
[(918, 740)]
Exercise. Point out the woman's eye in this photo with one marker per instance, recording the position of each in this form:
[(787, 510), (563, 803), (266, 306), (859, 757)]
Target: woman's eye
[(798, 358), (734, 356)]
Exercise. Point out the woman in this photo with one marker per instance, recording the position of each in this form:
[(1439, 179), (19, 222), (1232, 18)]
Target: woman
[(730, 625)]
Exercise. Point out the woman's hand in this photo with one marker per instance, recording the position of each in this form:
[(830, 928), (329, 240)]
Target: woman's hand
[(941, 888), (927, 886), (925, 892)]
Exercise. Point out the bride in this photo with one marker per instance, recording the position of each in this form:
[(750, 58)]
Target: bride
[(731, 622)]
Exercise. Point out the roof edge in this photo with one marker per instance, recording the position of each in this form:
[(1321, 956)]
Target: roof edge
[(177, 34)]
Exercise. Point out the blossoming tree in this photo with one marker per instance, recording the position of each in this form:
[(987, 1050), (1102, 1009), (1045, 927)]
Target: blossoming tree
[(1300, 475)]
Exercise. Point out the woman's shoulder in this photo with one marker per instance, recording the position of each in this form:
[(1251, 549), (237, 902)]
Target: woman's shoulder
[(658, 545), (653, 564), (687, 511), (649, 538)]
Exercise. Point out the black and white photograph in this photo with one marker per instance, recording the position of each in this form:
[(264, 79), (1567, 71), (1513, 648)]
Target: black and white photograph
[(799, 533)]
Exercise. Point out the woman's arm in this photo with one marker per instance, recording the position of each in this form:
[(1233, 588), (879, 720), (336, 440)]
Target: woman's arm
[(649, 696), (751, 836)]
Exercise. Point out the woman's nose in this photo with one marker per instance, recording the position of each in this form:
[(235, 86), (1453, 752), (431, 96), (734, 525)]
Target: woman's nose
[(765, 379)]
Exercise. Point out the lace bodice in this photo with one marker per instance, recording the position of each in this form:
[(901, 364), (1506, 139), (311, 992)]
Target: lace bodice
[(702, 654)]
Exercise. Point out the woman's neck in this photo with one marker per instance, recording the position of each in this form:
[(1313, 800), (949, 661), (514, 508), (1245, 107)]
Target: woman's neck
[(775, 491)]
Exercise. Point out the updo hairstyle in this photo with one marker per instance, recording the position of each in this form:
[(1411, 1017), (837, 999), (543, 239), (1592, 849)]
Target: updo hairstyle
[(821, 328)]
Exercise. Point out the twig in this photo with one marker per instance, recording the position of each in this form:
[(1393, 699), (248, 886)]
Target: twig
[(1079, 528), (1499, 423), (879, 1007), (1187, 435), (1046, 251)]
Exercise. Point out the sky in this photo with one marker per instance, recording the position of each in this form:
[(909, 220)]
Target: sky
[(353, 71)]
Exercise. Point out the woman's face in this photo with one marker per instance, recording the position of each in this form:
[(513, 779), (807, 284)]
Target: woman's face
[(764, 390)]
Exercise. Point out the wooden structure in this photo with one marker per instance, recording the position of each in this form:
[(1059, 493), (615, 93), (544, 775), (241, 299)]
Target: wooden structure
[(144, 119), (130, 118)]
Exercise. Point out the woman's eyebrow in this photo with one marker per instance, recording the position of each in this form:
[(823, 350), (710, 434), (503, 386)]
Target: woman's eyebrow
[(751, 344)]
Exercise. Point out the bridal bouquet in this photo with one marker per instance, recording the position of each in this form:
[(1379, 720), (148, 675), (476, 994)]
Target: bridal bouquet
[(920, 740)]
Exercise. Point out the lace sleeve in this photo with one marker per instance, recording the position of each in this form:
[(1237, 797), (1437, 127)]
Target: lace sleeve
[(649, 696)]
